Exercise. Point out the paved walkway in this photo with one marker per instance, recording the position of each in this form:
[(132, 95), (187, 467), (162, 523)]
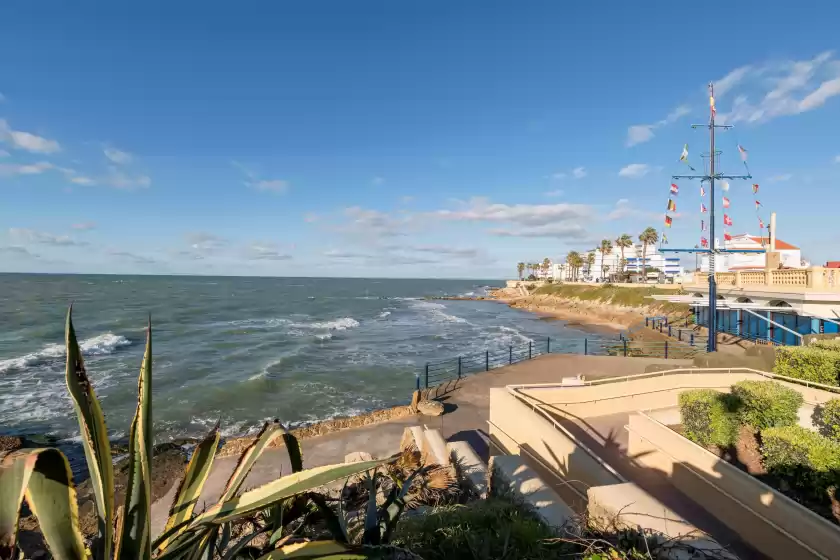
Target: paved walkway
[(467, 405)]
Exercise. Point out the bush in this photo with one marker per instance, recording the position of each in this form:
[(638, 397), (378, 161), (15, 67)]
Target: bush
[(827, 344), (827, 419), (767, 404), (805, 459), (811, 363), (709, 417)]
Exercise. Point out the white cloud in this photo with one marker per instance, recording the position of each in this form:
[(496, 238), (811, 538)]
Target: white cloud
[(780, 178), (554, 193), (782, 88), (19, 251), (118, 156), (376, 181), (139, 259), (32, 236), (640, 133), (82, 180), (84, 226), (731, 80), (266, 252), (26, 140), (837, 159), (273, 185), (579, 172), (25, 169), (120, 180), (480, 209), (634, 170), (559, 231)]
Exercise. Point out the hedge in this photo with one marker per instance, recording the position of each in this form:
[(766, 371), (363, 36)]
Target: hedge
[(810, 363), (827, 419), (709, 417), (804, 458), (766, 404), (827, 344)]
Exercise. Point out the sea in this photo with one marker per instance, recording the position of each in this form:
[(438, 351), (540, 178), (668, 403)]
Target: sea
[(239, 350)]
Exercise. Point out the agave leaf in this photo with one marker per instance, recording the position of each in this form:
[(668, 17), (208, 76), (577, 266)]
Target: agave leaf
[(182, 545), (43, 476), (94, 439), (268, 433), (311, 549), (241, 544), (333, 521), (134, 538), (294, 450), (193, 482), (285, 487), (371, 535)]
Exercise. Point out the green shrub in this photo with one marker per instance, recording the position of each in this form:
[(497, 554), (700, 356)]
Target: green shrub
[(810, 363), (804, 459), (766, 404), (709, 417), (827, 344), (827, 419)]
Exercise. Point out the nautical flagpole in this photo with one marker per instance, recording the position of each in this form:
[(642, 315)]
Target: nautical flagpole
[(713, 249)]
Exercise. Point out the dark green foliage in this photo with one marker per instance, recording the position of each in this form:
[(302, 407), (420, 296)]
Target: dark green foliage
[(806, 460), (709, 417), (827, 344), (810, 363), (492, 528), (827, 419), (767, 404)]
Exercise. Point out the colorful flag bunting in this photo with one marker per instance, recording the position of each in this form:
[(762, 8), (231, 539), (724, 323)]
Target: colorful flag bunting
[(755, 189), (704, 242), (757, 204), (743, 152), (675, 189), (725, 202), (727, 221), (684, 155), (668, 221), (672, 207), (724, 185), (760, 224), (702, 208), (702, 191), (664, 239), (702, 225), (712, 105), (727, 236)]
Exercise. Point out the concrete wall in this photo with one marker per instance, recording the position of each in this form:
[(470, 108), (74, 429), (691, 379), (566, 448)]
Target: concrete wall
[(764, 518), (519, 430)]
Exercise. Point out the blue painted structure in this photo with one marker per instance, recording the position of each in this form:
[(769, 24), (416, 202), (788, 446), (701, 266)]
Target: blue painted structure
[(748, 326)]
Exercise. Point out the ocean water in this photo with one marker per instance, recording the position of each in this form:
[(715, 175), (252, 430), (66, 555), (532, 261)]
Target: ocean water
[(239, 350)]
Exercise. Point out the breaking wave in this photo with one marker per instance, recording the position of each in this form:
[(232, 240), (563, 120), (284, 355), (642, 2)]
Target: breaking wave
[(101, 345)]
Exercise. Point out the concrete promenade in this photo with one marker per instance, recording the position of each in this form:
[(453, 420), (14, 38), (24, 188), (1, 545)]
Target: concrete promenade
[(466, 403)]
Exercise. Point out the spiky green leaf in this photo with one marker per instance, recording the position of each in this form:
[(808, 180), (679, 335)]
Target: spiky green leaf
[(311, 549), (294, 450), (43, 476), (269, 432), (333, 521), (195, 476), (134, 539), (94, 439), (285, 487)]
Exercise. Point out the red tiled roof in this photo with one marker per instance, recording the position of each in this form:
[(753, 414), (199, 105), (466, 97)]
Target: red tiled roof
[(780, 245), (832, 264)]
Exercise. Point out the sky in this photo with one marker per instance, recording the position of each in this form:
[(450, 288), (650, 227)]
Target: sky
[(401, 139)]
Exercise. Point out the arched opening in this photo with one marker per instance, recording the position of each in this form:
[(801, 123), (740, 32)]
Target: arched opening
[(779, 303), (744, 300)]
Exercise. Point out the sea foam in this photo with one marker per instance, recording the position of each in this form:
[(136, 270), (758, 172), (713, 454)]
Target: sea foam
[(100, 345)]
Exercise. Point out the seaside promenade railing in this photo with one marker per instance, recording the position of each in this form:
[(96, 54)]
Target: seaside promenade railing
[(441, 371)]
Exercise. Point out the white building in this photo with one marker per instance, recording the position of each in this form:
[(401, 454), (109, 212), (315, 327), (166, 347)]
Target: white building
[(791, 256), (670, 266)]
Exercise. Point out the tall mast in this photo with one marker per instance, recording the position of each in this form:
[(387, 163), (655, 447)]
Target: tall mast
[(712, 345)]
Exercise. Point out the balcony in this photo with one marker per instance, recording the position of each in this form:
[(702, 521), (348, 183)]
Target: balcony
[(814, 279)]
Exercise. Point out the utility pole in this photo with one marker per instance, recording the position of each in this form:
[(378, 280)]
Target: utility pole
[(710, 178)]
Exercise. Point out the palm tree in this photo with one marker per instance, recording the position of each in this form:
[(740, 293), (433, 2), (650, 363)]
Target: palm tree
[(546, 264), (623, 241), (571, 260), (647, 237), (578, 264), (590, 260), (606, 247), (520, 267)]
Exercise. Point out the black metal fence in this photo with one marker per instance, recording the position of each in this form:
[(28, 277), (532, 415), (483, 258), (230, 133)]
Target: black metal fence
[(434, 373)]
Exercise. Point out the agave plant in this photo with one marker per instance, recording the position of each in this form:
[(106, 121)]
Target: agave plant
[(43, 478)]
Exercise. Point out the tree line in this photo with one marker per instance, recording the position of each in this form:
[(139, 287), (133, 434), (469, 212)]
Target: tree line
[(576, 260)]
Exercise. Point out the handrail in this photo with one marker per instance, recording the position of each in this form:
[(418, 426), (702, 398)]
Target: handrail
[(678, 371)]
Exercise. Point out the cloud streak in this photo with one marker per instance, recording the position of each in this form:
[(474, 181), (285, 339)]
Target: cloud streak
[(640, 133), (26, 141)]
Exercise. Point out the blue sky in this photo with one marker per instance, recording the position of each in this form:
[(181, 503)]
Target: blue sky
[(400, 139)]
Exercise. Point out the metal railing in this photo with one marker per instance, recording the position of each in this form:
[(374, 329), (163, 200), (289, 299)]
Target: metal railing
[(437, 372)]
